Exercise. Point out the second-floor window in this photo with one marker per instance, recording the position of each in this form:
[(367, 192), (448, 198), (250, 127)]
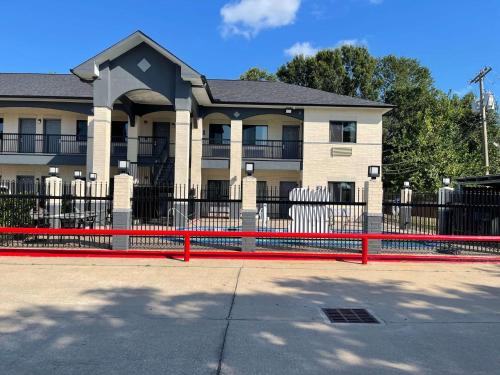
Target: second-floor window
[(1, 128), (219, 134), (252, 134), (81, 130), (343, 131)]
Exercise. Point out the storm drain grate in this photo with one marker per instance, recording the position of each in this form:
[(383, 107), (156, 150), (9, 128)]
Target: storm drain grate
[(350, 316)]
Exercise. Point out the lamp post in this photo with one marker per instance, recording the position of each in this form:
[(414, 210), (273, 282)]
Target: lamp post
[(124, 166), (374, 171), (249, 168), (53, 171)]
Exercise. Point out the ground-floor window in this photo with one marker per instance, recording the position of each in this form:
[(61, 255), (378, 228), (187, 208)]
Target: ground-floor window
[(341, 191)]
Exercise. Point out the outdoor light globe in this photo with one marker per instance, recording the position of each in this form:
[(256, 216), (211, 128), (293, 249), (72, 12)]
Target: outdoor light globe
[(123, 166), (249, 168), (92, 176), (53, 171), (446, 181), (373, 171), (77, 174), (406, 184)]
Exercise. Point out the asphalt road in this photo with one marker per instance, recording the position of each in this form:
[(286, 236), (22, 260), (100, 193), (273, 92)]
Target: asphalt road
[(135, 316)]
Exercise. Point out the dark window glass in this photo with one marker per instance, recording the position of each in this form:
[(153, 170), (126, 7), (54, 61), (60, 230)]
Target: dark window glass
[(343, 131), (81, 130), (119, 131), (219, 134), (254, 133), (1, 128), (341, 191)]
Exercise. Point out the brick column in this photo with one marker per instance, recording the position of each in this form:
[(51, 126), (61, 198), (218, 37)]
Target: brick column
[(249, 212), (182, 148), (53, 188), (373, 213), (99, 145), (405, 211), (444, 197), (235, 162), (78, 191), (122, 209), (196, 152)]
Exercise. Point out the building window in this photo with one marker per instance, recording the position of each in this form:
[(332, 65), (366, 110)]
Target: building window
[(218, 189), (81, 130), (119, 131), (262, 189), (252, 134), (219, 134), (1, 128), (341, 191), (343, 131)]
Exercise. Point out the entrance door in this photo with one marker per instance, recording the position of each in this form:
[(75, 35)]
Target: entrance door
[(290, 141), (161, 137), (285, 188), (27, 134), (52, 131)]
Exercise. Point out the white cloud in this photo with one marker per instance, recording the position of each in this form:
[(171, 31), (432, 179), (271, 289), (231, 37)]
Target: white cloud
[(249, 17), (304, 48), (307, 49), (351, 42)]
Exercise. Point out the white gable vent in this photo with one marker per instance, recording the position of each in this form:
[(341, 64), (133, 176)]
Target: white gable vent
[(341, 151)]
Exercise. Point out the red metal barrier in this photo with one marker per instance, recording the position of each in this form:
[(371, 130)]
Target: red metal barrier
[(187, 234)]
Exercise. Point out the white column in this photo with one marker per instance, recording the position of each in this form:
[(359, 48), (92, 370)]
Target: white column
[(182, 129), (196, 153), (99, 145), (236, 156)]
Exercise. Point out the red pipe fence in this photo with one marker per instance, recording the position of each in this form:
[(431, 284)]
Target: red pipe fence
[(187, 234)]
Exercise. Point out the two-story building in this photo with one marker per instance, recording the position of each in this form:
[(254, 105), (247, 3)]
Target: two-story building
[(137, 101)]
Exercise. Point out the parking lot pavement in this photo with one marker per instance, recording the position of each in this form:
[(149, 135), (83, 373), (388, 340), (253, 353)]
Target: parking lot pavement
[(133, 316)]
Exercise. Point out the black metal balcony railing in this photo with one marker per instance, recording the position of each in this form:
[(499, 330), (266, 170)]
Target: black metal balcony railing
[(220, 150), (43, 144), (269, 149), (58, 144), (154, 146)]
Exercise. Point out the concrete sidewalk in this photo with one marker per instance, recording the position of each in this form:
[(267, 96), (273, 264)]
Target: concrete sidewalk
[(135, 316)]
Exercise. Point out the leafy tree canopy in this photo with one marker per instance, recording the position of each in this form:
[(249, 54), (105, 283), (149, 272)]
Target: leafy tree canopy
[(429, 135)]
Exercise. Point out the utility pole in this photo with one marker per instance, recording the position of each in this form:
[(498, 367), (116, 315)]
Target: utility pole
[(480, 78)]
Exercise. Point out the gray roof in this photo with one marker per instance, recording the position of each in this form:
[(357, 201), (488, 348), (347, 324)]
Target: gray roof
[(266, 92), (36, 85)]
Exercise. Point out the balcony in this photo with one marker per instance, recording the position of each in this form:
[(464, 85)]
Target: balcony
[(274, 150), (152, 149), (221, 150), (42, 149), (13, 143)]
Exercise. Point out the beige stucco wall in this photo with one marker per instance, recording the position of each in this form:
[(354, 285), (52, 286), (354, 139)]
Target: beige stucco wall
[(11, 118), (9, 172), (320, 166)]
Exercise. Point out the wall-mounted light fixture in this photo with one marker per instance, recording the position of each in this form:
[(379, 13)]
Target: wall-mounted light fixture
[(288, 110), (249, 168), (53, 171), (374, 171), (124, 166), (92, 176), (77, 174)]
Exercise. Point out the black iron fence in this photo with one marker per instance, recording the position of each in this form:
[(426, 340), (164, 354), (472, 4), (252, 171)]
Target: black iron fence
[(309, 211), (171, 207), (154, 146), (463, 212), (65, 205)]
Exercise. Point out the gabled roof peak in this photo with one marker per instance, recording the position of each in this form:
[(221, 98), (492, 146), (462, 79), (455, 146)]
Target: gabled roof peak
[(89, 69)]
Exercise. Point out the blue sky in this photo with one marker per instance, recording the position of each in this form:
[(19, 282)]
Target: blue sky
[(222, 38)]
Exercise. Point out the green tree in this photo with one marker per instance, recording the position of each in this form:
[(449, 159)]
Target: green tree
[(257, 74)]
